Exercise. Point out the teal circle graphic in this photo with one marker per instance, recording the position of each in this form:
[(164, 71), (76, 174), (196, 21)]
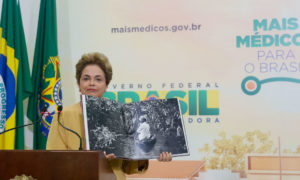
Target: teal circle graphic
[(246, 81)]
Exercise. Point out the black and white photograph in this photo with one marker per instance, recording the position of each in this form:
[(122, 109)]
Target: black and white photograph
[(137, 130)]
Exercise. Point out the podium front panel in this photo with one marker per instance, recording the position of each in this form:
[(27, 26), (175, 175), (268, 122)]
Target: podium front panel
[(49, 165)]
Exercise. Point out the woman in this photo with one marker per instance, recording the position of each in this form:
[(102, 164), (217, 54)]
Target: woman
[(93, 75)]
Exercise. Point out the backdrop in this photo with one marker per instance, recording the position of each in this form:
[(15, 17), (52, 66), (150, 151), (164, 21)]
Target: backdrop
[(234, 65)]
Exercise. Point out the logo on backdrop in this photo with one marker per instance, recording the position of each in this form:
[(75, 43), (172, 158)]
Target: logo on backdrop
[(275, 40), (200, 105)]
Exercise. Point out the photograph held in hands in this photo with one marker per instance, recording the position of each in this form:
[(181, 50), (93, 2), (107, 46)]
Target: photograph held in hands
[(137, 130)]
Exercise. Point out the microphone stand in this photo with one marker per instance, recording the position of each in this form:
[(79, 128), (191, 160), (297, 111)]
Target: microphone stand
[(17, 127), (59, 109)]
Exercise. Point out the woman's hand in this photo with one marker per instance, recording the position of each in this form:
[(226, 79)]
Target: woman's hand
[(109, 156), (165, 157)]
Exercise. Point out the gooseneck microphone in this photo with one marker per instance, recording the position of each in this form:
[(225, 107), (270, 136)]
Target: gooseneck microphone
[(44, 109), (59, 109)]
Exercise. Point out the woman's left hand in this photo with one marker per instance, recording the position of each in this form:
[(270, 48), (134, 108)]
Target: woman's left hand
[(165, 157)]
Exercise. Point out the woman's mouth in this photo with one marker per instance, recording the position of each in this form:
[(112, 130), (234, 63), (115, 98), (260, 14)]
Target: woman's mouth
[(91, 90)]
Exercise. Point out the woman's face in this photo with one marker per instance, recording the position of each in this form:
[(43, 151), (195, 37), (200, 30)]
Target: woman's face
[(92, 81)]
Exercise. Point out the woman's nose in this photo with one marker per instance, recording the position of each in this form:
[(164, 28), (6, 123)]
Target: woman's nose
[(92, 82)]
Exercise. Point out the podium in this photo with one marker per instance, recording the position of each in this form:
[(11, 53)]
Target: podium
[(49, 165)]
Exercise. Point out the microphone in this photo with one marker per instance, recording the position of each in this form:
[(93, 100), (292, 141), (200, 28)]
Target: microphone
[(59, 109), (44, 109)]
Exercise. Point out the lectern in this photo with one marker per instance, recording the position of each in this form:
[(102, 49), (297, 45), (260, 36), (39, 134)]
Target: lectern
[(52, 165)]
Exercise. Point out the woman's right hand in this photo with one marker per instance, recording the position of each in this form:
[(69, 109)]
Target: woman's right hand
[(109, 156)]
